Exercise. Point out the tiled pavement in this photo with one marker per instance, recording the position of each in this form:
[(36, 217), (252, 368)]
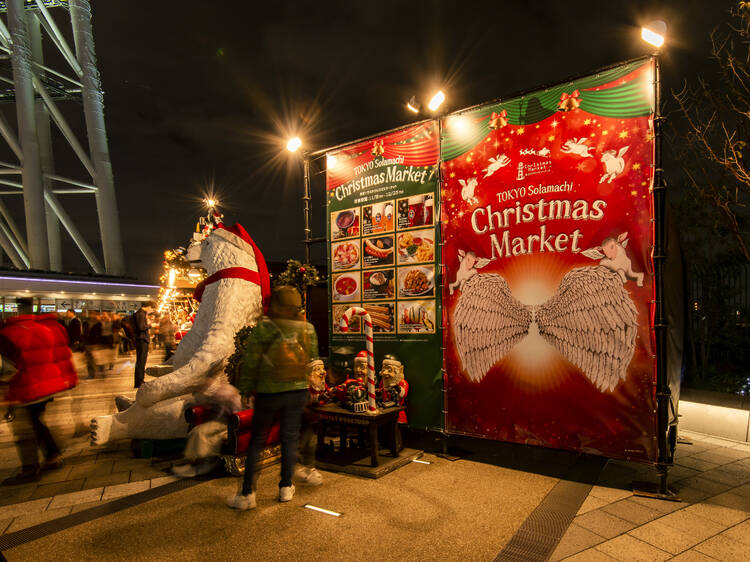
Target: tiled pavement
[(712, 522), (711, 476), (91, 476)]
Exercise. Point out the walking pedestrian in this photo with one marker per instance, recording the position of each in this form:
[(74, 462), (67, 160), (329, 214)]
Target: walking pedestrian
[(107, 341), (273, 368), (37, 346), (75, 330), (166, 335), (142, 338), (92, 343)]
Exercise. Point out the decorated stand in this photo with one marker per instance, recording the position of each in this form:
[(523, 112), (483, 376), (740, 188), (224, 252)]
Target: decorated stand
[(512, 256)]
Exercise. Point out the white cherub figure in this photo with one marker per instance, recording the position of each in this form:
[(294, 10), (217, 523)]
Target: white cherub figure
[(495, 164), (577, 146), (613, 256), (467, 190), (613, 165), (467, 268), (231, 297)]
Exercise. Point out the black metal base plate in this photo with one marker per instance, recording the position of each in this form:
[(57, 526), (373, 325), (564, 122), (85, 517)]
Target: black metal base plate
[(651, 490)]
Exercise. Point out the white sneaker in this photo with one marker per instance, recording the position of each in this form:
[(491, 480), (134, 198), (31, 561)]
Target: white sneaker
[(240, 502), (308, 475), (286, 493)]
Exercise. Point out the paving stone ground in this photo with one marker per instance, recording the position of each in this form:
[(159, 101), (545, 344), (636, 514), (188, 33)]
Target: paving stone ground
[(711, 522), (710, 475), (91, 475)]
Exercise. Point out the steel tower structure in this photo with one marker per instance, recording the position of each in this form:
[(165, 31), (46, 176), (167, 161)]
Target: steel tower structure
[(36, 89)]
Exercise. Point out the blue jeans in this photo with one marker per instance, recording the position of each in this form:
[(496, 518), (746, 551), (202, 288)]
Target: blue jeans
[(289, 407)]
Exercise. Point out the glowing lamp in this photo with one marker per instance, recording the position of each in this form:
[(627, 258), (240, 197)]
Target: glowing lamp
[(293, 144), (436, 101), (654, 33)]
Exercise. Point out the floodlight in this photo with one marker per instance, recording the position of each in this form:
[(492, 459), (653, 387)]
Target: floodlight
[(413, 105), (436, 101), (654, 33), (293, 144)]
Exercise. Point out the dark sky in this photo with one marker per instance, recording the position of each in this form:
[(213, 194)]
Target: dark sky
[(201, 95)]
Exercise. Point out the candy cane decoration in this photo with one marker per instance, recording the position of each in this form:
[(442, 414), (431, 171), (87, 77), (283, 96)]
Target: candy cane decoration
[(345, 319)]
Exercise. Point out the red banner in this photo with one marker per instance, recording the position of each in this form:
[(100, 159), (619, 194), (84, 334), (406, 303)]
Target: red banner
[(547, 230)]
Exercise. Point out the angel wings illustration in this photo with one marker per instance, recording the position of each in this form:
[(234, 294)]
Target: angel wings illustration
[(591, 321)]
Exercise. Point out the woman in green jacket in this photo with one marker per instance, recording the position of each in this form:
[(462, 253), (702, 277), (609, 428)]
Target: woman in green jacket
[(273, 370)]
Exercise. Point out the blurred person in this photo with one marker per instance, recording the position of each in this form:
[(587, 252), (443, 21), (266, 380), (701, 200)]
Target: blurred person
[(127, 334), (107, 340), (166, 336), (75, 330), (38, 347), (308, 440), (92, 343), (142, 337), (116, 334), (274, 370)]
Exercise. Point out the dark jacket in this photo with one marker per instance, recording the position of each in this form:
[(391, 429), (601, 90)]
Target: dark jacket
[(75, 331), (140, 324)]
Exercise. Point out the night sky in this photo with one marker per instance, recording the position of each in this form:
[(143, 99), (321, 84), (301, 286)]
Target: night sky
[(201, 96)]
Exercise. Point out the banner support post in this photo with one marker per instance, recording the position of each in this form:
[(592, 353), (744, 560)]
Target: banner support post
[(663, 393)]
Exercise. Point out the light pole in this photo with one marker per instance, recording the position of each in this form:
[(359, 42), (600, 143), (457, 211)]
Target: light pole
[(292, 146), (654, 33)]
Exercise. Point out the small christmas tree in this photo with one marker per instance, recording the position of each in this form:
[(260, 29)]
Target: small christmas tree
[(299, 276)]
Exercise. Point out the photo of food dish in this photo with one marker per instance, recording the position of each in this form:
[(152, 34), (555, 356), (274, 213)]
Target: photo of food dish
[(381, 315), (416, 316), (354, 322), (416, 246), (345, 224), (345, 287), (377, 251), (378, 284), (416, 281), (345, 255)]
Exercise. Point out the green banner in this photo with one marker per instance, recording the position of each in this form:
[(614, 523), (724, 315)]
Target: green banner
[(383, 256)]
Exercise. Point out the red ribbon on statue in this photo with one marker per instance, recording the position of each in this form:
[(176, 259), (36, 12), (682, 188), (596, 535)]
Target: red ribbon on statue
[(569, 102), (228, 273), (498, 120)]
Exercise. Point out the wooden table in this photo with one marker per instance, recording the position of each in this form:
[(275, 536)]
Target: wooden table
[(330, 414)]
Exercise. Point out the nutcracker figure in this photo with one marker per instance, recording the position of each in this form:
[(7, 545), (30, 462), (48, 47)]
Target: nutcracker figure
[(316, 379), (392, 387)]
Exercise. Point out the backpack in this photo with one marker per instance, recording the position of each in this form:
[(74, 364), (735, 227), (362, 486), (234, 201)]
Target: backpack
[(287, 356)]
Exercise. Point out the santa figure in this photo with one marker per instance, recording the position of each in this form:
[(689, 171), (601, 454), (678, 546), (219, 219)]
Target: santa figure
[(392, 387)]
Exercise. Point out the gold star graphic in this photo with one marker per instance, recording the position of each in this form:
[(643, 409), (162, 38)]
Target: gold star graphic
[(550, 138), (520, 130), (623, 134), (587, 122), (634, 193), (605, 132), (637, 166)]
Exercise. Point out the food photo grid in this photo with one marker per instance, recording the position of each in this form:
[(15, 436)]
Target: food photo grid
[(382, 258)]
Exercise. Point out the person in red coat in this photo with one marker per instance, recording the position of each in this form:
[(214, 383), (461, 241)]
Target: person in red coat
[(38, 347)]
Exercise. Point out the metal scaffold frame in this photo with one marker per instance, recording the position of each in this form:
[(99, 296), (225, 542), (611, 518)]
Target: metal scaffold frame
[(36, 90)]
